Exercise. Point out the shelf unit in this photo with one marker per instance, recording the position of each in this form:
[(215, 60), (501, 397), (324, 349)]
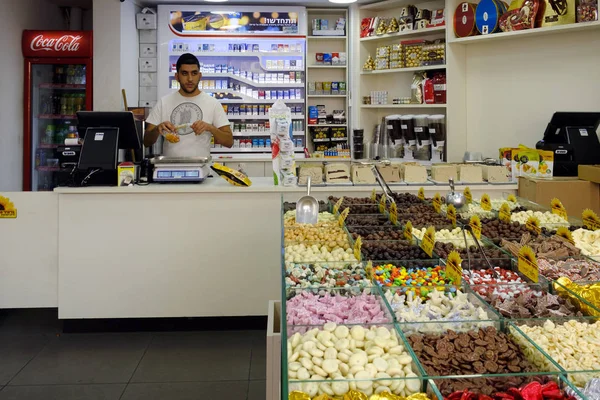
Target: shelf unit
[(257, 117), (247, 150), (328, 73), (397, 82)]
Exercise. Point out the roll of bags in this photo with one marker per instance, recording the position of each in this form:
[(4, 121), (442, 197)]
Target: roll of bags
[(464, 20)]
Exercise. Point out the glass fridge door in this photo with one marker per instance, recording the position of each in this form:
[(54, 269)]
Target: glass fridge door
[(57, 92)]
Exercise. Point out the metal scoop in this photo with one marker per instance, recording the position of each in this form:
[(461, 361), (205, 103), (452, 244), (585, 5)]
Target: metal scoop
[(307, 208), (454, 198)]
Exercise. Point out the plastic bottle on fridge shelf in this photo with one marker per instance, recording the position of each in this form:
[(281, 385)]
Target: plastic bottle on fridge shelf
[(82, 75), (63, 105)]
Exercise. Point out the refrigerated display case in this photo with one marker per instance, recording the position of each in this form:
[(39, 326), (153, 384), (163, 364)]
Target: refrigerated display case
[(57, 84), (248, 58)]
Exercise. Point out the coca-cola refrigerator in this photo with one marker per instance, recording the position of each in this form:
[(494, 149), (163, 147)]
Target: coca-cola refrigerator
[(58, 83)]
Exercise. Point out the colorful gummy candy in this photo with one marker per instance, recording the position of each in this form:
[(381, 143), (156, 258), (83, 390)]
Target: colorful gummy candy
[(422, 280)]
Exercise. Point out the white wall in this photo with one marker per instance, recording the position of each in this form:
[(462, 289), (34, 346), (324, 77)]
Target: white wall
[(16, 16), (115, 54)]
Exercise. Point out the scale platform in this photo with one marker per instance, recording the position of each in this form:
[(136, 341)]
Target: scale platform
[(180, 169)]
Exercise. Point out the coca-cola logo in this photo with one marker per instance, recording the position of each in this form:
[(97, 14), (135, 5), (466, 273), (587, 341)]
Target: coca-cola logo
[(63, 43)]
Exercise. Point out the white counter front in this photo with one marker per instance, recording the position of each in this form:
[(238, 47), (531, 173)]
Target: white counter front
[(162, 250)]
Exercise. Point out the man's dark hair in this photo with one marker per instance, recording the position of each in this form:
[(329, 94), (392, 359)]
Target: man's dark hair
[(187, 59)]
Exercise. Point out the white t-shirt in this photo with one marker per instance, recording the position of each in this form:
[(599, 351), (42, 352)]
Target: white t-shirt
[(181, 110)]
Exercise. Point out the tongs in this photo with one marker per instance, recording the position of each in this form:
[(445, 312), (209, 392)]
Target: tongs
[(468, 228), (387, 192)]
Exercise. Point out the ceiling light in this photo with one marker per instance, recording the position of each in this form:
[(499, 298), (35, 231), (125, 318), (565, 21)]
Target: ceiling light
[(341, 1), (216, 1)]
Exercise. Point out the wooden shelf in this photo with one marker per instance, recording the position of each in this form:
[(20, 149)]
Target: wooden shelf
[(325, 37), (257, 117), (397, 70), (405, 34), (327, 95), (529, 33), (328, 66), (375, 106), (240, 54)]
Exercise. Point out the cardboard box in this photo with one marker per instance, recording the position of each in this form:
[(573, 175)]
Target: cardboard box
[(589, 173), (575, 194)]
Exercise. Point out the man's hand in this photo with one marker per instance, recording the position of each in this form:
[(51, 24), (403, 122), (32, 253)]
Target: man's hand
[(166, 127), (199, 127)]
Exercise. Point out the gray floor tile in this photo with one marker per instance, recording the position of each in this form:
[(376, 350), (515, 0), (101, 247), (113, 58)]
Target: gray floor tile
[(85, 358), (63, 392), (16, 352), (257, 390), (197, 356), (258, 366), (232, 390)]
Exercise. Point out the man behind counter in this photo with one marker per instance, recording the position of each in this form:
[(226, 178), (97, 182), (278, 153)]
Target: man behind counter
[(203, 114)]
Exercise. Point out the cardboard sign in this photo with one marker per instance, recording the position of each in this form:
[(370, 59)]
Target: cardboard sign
[(533, 225), (408, 231), (527, 264), (475, 224), (428, 241), (558, 208), (437, 203), (382, 204), (468, 195), (565, 233), (486, 203), (394, 213), (590, 219), (374, 195), (454, 267), (357, 247), (504, 214), (451, 214), (343, 216), (7, 208), (421, 194), (337, 205)]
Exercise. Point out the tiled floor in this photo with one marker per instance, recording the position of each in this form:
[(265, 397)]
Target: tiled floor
[(37, 361)]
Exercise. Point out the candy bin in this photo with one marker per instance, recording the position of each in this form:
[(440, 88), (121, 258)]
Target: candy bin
[(578, 269), (419, 277), (570, 343), (367, 220), (387, 232), (471, 209), (386, 250), (474, 260), (337, 360), (425, 220), (542, 246), (474, 355)]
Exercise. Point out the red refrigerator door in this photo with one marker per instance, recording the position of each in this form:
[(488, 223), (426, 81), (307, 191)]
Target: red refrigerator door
[(55, 89)]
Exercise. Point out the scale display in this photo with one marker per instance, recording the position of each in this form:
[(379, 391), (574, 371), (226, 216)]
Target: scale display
[(178, 174)]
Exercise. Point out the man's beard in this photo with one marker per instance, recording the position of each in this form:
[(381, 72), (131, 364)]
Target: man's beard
[(186, 90)]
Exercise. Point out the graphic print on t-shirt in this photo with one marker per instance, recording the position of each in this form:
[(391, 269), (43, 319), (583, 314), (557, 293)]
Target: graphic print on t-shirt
[(186, 113)]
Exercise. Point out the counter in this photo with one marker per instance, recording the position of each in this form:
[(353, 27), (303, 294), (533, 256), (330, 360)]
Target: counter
[(162, 250)]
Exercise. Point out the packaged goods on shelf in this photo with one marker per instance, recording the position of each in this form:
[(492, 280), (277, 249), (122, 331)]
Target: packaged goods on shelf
[(337, 173), (390, 173), (587, 11), (369, 65), (362, 174), (379, 97), (487, 16), (464, 20), (413, 52), (443, 172), (495, 173), (470, 173), (414, 173)]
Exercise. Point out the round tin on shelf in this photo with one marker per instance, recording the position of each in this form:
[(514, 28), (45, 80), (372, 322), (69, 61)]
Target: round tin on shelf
[(464, 20), (487, 16)]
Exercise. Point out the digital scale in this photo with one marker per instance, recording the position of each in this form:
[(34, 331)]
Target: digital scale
[(180, 169)]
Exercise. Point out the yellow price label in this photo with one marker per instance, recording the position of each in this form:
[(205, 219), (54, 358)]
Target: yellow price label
[(428, 241), (512, 198), (486, 203), (454, 267), (373, 195), (590, 219), (527, 264), (7, 208), (357, 247), (475, 224), (421, 194), (468, 195), (565, 233), (382, 204), (504, 214), (337, 205), (533, 225), (408, 228), (369, 270), (343, 216), (394, 213), (437, 203), (451, 214), (558, 208)]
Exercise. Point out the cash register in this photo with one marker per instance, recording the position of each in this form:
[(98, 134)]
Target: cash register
[(573, 137)]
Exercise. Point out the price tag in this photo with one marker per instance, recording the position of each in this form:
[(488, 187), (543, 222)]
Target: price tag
[(590, 219), (408, 231), (451, 214), (504, 214), (565, 233), (337, 205), (428, 241), (357, 247), (369, 270), (558, 208), (512, 198), (533, 225), (454, 267), (394, 213), (374, 195), (343, 216), (475, 224), (437, 203), (421, 194), (468, 195), (527, 264), (486, 203), (382, 204)]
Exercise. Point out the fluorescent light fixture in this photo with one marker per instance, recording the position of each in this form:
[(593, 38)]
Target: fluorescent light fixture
[(216, 1), (341, 1)]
